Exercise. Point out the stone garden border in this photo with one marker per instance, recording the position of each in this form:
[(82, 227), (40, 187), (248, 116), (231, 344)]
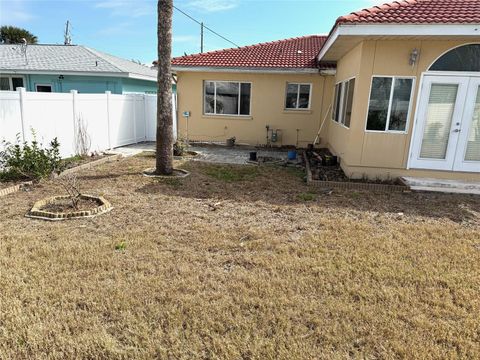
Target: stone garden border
[(36, 212), (14, 188), (91, 164), (350, 184), (184, 174)]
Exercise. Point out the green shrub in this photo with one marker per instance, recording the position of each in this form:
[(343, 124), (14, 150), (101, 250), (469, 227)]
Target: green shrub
[(29, 161)]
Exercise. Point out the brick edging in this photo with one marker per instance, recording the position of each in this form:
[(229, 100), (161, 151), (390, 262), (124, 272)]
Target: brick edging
[(14, 188), (91, 164), (36, 212), (350, 184)]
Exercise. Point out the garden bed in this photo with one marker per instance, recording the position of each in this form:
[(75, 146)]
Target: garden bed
[(62, 208), (77, 160), (323, 170)]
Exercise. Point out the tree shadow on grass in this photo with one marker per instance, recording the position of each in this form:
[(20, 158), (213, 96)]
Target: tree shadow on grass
[(285, 187)]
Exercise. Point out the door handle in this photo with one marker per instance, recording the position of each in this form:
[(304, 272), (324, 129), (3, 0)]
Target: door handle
[(456, 130)]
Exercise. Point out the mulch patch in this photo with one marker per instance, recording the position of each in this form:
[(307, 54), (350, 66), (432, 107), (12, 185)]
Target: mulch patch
[(66, 206)]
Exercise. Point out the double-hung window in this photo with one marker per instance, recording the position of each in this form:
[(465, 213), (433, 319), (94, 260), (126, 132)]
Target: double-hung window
[(298, 96), (10, 83), (389, 104), (343, 102), (226, 98)]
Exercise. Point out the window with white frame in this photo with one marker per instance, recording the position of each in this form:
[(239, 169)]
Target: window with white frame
[(298, 96), (343, 102), (389, 104), (226, 98), (10, 83)]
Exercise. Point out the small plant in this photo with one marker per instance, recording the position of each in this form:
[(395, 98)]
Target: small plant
[(308, 196), (29, 161), (121, 246), (71, 185), (179, 148)]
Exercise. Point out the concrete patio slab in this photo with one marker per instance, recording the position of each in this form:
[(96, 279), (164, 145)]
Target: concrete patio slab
[(440, 185), (214, 154)]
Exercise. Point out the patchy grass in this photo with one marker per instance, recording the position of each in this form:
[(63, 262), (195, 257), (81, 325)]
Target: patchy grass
[(307, 196), (240, 269), (229, 173)]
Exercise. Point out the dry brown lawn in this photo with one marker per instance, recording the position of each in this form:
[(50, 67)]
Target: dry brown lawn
[(240, 263)]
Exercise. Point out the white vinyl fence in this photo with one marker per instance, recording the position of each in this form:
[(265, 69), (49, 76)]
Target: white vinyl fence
[(110, 120)]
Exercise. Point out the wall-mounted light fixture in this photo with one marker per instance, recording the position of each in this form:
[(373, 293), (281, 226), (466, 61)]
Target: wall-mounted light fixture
[(414, 57), (61, 77)]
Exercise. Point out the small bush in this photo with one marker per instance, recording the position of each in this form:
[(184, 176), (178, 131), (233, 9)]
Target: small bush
[(29, 161), (179, 148), (308, 196)]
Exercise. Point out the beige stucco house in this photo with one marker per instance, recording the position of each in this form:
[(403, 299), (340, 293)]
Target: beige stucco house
[(394, 90)]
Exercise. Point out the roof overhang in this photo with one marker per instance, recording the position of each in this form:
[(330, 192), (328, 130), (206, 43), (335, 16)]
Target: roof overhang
[(346, 36), (177, 68), (77, 73)]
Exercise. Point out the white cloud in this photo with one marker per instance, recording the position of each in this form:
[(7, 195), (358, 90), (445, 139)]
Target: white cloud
[(17, 12), (128, 8), (212, 5)]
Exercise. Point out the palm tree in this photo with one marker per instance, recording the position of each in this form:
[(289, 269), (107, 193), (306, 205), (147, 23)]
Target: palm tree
[(14, 35), (164, 157)]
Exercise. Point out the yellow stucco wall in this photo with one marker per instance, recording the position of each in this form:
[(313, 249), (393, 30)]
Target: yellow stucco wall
[(267, 108), (362, 153), (383, 154)]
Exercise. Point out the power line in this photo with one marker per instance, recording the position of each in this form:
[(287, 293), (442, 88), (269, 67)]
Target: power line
[(203, 26)]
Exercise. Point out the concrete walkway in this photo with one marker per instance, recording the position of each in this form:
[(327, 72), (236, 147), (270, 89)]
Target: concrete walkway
[(439, 185), (213, 154)]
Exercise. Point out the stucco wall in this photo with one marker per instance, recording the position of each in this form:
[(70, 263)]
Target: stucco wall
[(383, 154), (267, 108)]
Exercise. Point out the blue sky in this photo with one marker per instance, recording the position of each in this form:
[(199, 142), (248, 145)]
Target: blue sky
[(127, 28)]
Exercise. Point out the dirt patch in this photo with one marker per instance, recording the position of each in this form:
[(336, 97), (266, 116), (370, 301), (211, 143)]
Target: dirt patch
[(262, 267), (66, 206)]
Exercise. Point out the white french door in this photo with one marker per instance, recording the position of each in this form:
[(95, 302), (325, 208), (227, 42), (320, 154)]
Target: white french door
[(447, 125)]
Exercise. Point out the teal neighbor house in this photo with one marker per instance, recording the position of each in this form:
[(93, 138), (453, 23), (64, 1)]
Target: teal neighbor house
[(61, 68)]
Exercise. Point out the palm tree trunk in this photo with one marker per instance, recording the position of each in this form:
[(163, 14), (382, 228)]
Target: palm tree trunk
[(164, 157)]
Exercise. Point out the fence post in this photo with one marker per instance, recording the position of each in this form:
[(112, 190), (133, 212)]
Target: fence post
[(108, 93), (74, 106), (23, 100), (145, 117), (135, 118)]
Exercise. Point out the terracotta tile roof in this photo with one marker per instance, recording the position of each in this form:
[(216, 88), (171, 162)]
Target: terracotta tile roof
[(295, 53), (418, 12)]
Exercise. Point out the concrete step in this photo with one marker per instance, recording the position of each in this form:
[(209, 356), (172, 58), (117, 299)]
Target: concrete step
[(441, 185)]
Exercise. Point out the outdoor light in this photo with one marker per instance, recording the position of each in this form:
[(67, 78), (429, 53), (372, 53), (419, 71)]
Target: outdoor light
[(61, 77), (414, 57)]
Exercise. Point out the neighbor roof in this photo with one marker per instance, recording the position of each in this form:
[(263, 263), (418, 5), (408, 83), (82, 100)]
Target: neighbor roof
[(69, 58), (295, 53), (418, 12)]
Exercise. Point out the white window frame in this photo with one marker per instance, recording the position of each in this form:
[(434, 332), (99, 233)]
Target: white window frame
[(37, 85), (10, 81), (298, 97), (341, 118), (215, 98), (387, 124)]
